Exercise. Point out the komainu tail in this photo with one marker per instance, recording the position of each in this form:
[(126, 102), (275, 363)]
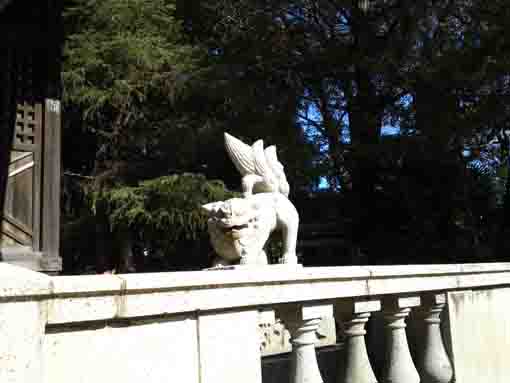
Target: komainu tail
[(260, 166)]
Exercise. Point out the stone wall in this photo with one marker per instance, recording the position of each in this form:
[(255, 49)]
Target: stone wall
[(204, 327), (133, 351), (480, 334)]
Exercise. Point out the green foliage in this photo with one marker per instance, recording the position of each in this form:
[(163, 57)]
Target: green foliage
[(127, 66), (156, 82), (123, 52), (165, 209)]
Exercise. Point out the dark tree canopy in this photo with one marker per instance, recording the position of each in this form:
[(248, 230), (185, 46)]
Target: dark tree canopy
[(151, 86)]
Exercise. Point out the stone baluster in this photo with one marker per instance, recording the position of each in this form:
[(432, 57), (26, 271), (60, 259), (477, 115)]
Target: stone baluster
[(432, 361), (398, 365), (354, 364), (302, 321)]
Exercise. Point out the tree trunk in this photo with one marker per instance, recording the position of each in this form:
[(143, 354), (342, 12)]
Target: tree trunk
[(332, 131), (126, 261), (365, 123), (104, 257), (506, 198)]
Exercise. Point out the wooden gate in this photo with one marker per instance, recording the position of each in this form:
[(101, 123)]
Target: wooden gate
[(30, 225), (21, 220)]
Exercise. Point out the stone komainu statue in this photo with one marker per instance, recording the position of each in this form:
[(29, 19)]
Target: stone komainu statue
[(240, 227)]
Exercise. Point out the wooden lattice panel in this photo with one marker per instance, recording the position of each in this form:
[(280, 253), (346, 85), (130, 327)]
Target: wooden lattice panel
[(28, 126), (20, 224)]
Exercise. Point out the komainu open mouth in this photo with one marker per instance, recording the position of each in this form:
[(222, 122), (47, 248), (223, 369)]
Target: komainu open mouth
[(235, 228)]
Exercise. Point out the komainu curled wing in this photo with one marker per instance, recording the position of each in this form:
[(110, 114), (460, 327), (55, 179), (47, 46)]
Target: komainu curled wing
[(260, 169)]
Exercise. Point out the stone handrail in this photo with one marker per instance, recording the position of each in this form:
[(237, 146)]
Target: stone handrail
[(211, 318)]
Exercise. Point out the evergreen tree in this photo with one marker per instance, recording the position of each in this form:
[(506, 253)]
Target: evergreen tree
[(321, 79), (432, 68), (132, 83), (126, 67)]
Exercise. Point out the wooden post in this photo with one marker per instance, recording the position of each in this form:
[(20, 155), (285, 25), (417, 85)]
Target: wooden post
[(51, 187)]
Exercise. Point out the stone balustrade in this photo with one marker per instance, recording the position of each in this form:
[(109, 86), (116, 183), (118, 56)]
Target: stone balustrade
[(203, 327)]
